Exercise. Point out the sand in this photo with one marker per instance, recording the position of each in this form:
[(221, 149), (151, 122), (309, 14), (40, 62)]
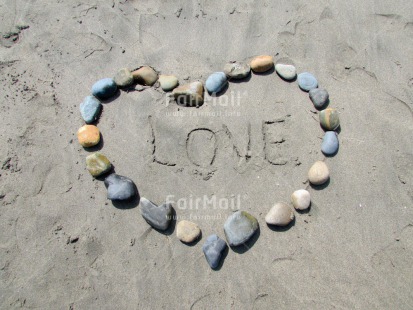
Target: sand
[(65, 246)]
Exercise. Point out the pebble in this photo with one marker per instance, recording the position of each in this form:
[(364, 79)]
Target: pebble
[(318, 173), (187, 231), (123, 78), (301, 199), (88, 135), (287, 72), (307, 81), (168, 82), (280, 214), (213, 249), (90, 109), (319, 97), (189, 94), (145, 76), (104, 88), (97, 164), (262, 63), (158, 217), (120, 187), (330, 144), (329, 119), (240, 227), (216, 82), (237, 70)]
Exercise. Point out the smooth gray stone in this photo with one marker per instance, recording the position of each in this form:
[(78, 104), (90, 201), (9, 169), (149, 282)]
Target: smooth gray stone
[(90, 109), (158, 217), (330, 143), (239, 227), (307, 81), (319, 97), (213, 249), (237, 70), (120, 187)]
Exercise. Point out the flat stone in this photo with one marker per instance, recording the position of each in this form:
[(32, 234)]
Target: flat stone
[(104, 88), (213, 249), (88, 135), (123, 78), (189, 94), (262, 63), (240, 227), (330, 144), (287, 72), (120, 188), (280, 214), (97, 164), (216, 82), (318, 173), (90, 109), (158, 217), (237, 70), (187, 231), (168, 82), (319, 97), (301, 199), (145, 76), (329, 119), (307, 81)]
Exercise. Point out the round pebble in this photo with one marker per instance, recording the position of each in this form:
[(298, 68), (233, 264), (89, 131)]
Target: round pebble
[(104, 88), (123, 78), (280, 214), (318, 173), (120, 188), (329, 119), (88, 135), (330, 144), (287, 72), (90, 109), (262, 63), (97, 164), (216, 82), (145, 76), (307, 81), (301, 199), (168, 82), (319, 97), (237, 70), (187, 231)]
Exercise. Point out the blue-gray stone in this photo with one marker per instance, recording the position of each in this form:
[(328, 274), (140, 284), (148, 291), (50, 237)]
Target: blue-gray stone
[(120, 187), (319, 97), (239, 227), (104, 88), (216, 82), (307, 81), (158, 217), (330, 144), (90, 109), (213, 249)]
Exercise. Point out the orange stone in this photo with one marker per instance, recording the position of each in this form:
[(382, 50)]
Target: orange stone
[(88, 135)]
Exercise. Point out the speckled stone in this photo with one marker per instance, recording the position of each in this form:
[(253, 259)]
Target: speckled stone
[(287, 72), (158, 217), (187, 231), (307, 81), (329, 119), (213, 249), (262, 63), (237, 70), (123, 78), (98, 164), (330, 144), (216, 82), (145, 76), (280, 214), (301, 199), (104, 88), (189, 94), (90, 109), (319, 97), (240, 227), (88, 135), (168, 82), (120, 188), (318, 173)]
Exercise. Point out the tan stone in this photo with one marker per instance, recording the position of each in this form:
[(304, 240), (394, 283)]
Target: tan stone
[(145, 76), (187, 231), (280, 214), (262, 63), (318, 173), (88, 135), (189, 94)]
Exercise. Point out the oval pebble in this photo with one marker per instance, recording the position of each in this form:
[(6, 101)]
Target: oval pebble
[(123, 78), (301, 199), (168, 82), (145, 76), (213, 248), (120, 188), (319, 97), (237, 70), (318, 173), (104, 88), (330, 143), (287, 72), (187, 231), (88, 135), (216, 82), (90, 109), (262, 63), (329, 119), (280, 214), (97, 164), (307, 81)]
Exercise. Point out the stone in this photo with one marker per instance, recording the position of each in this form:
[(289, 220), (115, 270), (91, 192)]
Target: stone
[(240, 227), (123, 78), (330, 144), (98, 164), (213, 249), (280, 214), (319, 97), (301, 199), (88, 135), (189, 94), (307, 81), (187, 231), (287, 72), (104, 88), (145, 76), (237, 70), (158, 217), (168, 82), (329, 119), (216, 82), (318, 173), (262, 63), (90, 109), (120, 188)]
